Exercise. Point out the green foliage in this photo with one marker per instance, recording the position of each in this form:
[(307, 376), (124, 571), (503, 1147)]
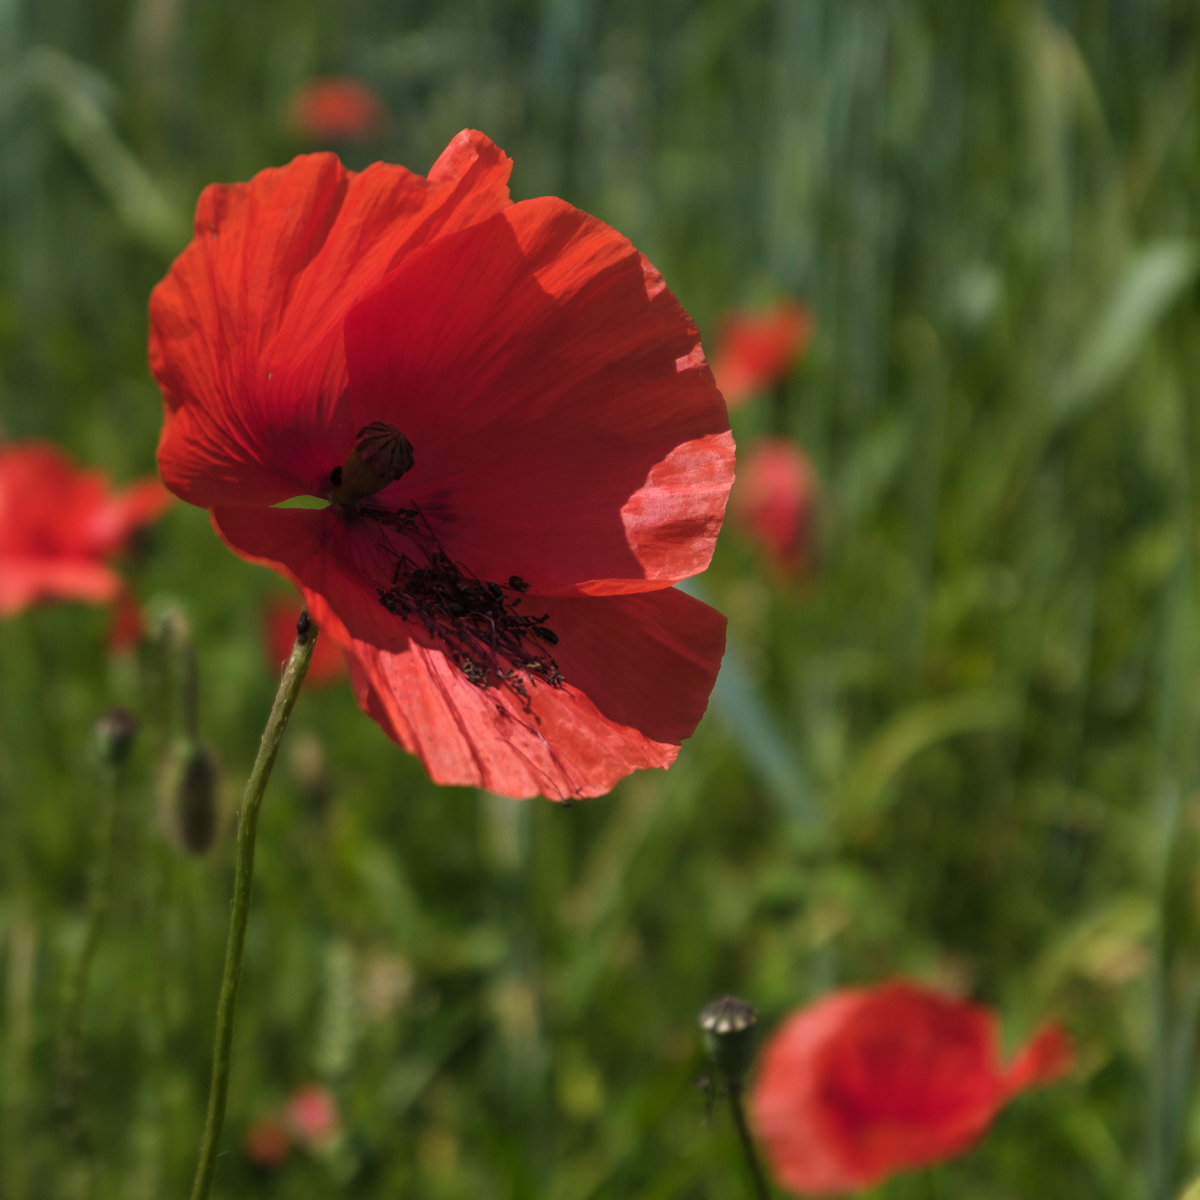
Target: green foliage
[(966, 750)]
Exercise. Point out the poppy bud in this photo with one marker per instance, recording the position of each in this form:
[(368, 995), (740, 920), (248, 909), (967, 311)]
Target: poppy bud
[(114, 736), (381, 455), (187, 795), (728, 1026)]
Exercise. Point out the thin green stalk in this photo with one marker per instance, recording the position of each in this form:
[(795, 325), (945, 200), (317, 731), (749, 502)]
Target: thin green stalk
[(753, 1166), (71, 1063), (243, 886)]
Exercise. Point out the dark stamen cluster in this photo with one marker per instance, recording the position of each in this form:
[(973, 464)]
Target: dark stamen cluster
[(477, 621)]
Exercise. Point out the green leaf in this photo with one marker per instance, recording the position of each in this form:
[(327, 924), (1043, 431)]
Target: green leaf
[(1152, 279), (77, 96)]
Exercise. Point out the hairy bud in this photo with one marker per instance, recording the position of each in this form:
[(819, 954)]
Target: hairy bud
[(187, 795)]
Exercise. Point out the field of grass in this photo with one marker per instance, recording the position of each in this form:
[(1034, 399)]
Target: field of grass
[(965, 749)]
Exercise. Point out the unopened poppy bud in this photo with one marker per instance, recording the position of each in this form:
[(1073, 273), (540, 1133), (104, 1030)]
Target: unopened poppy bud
[(381, 455), (187, 795), (114, 736), (728, 1026)]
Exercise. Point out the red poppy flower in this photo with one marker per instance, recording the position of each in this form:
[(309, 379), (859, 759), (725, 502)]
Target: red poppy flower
[(774, 501), (867, 1082), (312, 1115), (522, 442), (756, 349), (266, 1143), (337, 110), (59, 524), (328, 662), (126, 626)]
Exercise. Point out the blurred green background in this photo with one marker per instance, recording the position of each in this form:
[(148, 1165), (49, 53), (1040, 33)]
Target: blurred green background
[(965, 750)]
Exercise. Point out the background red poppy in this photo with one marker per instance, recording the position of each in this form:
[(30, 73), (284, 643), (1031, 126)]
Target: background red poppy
[(755, 350), (867, 1082), (337, 109), (60, 524), (774, 502)]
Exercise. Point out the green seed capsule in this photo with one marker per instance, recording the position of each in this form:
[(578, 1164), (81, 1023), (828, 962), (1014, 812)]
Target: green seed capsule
[(728, 1026)]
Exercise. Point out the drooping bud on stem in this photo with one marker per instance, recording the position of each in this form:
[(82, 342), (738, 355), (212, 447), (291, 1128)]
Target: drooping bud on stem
[(171, 635), (381, 455), (187, 795), (187, 773)]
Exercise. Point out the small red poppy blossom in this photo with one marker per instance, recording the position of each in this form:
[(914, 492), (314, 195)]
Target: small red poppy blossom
[(774, 502), (328, 662), (59, 524), (337, 109), (756, 349), (126, 626), (522, 443), (870, 1081), (312, 1115), (266, 1143)]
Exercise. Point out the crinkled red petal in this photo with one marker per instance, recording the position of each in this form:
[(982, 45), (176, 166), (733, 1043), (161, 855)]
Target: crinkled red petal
[(639, 668), (565, 425), (246, 328)]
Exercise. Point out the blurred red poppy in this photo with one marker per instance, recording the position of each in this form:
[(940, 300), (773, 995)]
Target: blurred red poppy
[(774, 502), (756, 349), (870, 1081), (337, 109), (521, 439), (279, 627), (266, 1143), (126, 626), (312, 1115), (59, 524)]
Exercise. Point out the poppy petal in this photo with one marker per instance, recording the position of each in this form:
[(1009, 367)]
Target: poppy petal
[(805, 1146), (1049, 1055), (26, 580), (637, 685), (639, 669), (110, 526), (246, 328), (565, 424)]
